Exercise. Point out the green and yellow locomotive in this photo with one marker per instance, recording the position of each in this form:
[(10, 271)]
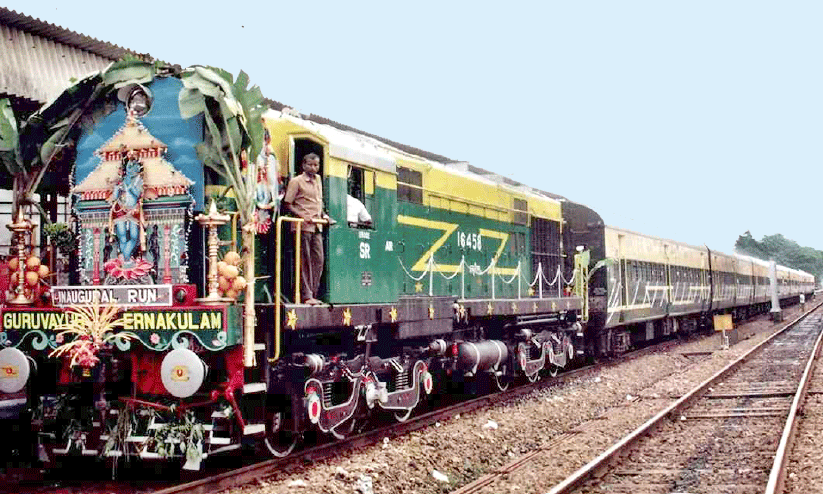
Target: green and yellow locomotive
[(169, 324), (175, 329)]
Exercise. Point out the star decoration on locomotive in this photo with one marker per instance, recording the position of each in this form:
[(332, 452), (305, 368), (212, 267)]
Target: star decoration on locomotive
[(347, 317), (291, 319), (462, 313), (531, 291), (514, 308), (534, 307), (393, 314), (431, 311), (418, 287), (489, 309)]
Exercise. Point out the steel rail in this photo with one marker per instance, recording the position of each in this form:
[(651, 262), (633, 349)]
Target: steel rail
[(250, 473), (777, 476), (247, 474), (618, 449)]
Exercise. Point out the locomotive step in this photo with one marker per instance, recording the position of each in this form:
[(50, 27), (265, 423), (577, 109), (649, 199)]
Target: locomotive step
[(219, 440), (254, 429), (249, 388)]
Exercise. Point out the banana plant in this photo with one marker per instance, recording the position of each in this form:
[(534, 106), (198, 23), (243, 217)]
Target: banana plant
[(233, 116)]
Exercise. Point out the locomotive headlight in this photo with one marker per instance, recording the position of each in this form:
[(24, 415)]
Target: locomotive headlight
[(182, 372), (14, 370)]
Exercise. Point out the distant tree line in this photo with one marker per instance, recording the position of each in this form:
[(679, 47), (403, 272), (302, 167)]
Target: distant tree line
[(783, 251)]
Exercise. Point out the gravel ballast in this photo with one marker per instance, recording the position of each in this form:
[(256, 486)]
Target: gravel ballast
[(603, 406)]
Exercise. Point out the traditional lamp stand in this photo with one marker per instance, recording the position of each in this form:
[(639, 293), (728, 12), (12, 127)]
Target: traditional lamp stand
[(212, 221), (21, 227)]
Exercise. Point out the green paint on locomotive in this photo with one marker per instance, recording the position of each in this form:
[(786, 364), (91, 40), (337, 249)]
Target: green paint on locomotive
[(362, 263), (450, 238)]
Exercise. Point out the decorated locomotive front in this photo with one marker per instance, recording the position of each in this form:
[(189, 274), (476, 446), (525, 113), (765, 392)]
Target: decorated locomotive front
[(134, 346)]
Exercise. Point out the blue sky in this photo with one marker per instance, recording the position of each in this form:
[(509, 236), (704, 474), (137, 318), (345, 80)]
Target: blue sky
[(691, 120)]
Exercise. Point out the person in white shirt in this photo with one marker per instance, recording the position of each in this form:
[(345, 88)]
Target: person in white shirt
[(356, 212)]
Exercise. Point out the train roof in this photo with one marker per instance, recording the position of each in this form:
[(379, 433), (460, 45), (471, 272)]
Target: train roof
[(754, 260), (654, 237), (352, 145)]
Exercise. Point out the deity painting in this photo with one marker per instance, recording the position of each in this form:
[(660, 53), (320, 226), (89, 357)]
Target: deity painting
[(133, 208)]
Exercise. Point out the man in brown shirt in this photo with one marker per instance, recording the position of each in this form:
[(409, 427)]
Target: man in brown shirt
[(304, 198)]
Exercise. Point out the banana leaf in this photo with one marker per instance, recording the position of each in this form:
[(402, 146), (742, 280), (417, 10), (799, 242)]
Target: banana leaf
[(59, 108), (600, 264), (252, 102), (127, 72), (191, 102), (9, 139)]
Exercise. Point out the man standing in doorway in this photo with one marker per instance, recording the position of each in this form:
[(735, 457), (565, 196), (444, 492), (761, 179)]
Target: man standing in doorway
[(304, 198)]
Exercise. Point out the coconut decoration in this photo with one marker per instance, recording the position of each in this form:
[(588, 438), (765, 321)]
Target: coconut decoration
[(229, 280), (35, 272)]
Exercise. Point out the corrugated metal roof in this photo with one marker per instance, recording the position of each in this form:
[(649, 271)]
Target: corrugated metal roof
[(70, 38), (37, 68), (38, 60)]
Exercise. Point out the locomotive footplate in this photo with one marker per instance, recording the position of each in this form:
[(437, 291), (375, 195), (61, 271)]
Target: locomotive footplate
[(434, 314), (517, 307)]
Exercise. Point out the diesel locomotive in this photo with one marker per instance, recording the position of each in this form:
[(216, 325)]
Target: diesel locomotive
[(173, 329)]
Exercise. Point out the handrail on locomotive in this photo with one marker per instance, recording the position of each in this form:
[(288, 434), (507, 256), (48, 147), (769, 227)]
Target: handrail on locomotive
[(278, 283)]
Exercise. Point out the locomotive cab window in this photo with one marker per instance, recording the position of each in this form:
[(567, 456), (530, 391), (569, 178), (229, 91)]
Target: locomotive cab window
[(409, 185), (360, 201)]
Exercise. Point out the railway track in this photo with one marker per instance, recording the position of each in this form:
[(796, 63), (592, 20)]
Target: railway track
[(730, 434), (804, 457), (251, 473), (226, 478)]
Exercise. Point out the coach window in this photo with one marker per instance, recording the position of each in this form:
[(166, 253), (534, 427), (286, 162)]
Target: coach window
[(360, 201), (409, 185)]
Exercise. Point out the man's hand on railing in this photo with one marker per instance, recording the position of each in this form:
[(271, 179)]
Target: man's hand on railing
[(328, 219)]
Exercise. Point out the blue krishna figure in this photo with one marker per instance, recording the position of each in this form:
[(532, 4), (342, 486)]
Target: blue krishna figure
[(126, 221), (127, 207)]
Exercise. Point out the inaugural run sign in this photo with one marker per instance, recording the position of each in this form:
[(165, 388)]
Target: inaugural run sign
[(122, 295)]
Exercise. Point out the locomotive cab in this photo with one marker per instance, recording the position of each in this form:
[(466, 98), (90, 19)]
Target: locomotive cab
[(358, 264)]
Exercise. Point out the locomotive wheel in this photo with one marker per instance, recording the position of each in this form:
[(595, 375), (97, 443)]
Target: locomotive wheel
[(347, 428), (553, 370), (279, 441), (534, 378), (502, 382), (403, 416)]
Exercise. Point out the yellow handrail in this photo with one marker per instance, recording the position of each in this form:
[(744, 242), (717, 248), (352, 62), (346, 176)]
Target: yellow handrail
[(278, 264)]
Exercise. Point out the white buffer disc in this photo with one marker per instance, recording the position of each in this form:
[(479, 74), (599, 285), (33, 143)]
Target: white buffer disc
[(14, 370), (182, 372)]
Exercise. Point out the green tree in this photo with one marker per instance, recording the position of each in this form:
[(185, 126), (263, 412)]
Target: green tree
[(783, 251)]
